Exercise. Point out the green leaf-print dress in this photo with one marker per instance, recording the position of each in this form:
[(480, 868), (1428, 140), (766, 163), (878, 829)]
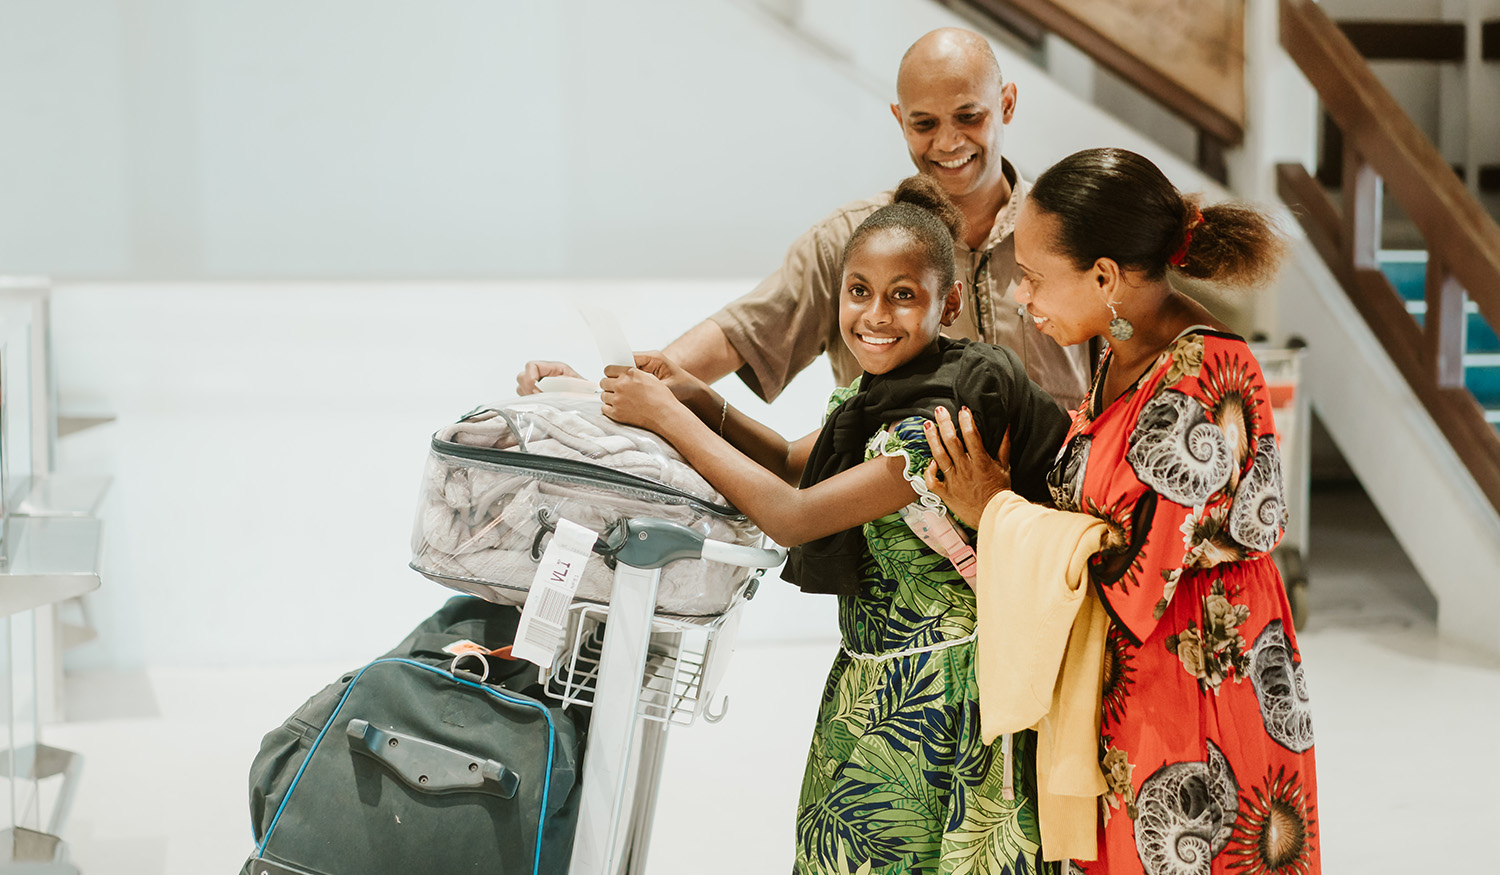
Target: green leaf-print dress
[(898, 779)]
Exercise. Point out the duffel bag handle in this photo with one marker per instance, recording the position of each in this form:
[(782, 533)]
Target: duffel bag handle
[(431, 767)]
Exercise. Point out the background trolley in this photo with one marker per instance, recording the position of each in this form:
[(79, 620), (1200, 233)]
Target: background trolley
[(1283, 370)]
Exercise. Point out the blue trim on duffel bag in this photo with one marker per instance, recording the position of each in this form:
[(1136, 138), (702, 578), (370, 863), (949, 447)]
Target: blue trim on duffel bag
[(536, 861)]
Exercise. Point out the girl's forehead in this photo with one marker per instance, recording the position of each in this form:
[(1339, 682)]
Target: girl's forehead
[(889, 245)]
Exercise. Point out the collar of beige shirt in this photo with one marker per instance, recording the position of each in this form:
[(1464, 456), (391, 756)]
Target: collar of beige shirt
[(1005, 220)]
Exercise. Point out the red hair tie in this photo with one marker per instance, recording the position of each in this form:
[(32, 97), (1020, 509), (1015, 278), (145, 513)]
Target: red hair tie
[(1179, 258)]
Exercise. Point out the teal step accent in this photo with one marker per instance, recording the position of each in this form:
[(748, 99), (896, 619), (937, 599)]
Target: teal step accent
[(1408, 275), (1482, 338), (1485, 384), (1407, 272)]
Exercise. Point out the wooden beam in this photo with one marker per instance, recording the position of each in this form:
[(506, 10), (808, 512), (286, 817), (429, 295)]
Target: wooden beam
[(1130, 67), (1016, 22), (1406, 40), (1317, 214), (1444, 326)]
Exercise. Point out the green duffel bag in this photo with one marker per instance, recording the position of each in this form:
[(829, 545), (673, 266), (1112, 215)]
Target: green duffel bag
[(408, 765)]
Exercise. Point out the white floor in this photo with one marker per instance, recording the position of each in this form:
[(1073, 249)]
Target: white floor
[(1407, 769)]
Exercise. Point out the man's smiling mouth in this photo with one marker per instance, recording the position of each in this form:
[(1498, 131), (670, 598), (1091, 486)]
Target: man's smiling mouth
[(955, 163)]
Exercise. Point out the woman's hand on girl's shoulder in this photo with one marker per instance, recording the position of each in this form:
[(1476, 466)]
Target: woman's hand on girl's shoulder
[(962, 474)]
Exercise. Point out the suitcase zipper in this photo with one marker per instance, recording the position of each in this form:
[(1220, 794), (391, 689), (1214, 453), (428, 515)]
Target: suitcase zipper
[(583, 474)]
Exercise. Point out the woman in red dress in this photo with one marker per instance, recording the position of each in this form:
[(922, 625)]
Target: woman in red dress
[(1206, 739)]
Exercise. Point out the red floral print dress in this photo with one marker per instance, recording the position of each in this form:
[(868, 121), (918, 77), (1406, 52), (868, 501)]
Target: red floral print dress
[(1206, 741)]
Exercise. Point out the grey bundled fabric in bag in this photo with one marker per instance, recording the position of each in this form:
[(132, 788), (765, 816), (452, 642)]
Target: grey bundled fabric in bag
[(497, 480), (407, 765)]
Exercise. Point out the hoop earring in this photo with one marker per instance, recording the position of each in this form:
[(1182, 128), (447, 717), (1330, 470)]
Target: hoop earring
[(1119, 327)]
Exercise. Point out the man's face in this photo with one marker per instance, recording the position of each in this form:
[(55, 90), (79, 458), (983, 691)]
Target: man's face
[(954, 124)]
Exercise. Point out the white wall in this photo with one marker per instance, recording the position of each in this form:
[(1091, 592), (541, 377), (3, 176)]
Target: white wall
[(456, 139), (453, 138)]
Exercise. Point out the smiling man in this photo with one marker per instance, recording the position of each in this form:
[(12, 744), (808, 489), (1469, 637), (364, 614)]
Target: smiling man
[(952, 106)]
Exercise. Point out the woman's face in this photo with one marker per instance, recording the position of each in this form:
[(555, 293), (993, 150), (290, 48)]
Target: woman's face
[(890, 305), (1068, 305)]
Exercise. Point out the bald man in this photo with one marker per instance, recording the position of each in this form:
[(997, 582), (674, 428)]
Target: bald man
[(952, 106)]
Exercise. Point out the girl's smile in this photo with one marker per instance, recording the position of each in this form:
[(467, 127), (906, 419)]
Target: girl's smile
[(890, 306)]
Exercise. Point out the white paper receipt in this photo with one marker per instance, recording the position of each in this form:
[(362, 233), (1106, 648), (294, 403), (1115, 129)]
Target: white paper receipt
[(544, 619), (614, 349)]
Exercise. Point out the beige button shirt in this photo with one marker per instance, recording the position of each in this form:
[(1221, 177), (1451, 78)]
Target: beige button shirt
[(791, 318)]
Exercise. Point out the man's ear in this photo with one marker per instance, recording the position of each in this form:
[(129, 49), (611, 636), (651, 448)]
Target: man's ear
[(1007, 102), (896, 111), (953, 304)]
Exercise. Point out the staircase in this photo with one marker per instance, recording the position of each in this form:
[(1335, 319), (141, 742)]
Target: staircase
[(1407, 271)]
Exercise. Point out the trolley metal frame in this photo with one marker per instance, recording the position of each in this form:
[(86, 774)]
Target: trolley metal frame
[(651, 672)]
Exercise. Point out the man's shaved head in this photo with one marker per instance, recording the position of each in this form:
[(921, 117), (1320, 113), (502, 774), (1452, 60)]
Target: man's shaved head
[(951, 51), (953, 107)]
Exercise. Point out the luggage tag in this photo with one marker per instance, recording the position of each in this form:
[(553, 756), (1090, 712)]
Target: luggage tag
[(544, 618)]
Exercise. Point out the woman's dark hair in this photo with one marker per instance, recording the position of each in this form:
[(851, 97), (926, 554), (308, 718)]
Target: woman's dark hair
[(1112, 203), (921, 210)]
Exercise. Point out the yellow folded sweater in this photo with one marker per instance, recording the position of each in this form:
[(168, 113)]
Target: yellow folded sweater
[(1040, 658)]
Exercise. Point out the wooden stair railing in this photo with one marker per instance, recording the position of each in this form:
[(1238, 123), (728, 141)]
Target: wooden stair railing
[(1383, 147)]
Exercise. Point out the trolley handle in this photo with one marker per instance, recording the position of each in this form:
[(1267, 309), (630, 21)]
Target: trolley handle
[(748, 557), (652, 543)]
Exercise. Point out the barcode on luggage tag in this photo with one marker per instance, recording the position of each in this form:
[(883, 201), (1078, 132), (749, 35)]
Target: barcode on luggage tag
[(545, 616), (554, 606)]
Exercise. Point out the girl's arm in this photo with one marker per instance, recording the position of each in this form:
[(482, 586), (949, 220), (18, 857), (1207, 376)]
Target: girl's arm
[(788, 515), (768, 449)]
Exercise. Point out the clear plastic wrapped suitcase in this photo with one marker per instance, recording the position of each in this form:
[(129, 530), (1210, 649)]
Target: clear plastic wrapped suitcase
[(497, 481)]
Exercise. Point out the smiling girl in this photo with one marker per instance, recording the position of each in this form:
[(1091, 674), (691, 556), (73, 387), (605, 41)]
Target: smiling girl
[(898, 778)]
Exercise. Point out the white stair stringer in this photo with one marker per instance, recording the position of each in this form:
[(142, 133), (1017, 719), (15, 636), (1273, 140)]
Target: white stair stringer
[(1442, 520)]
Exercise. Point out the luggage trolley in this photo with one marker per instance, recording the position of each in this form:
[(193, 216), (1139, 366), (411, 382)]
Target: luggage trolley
[(648, 672), (1289, 408), (650, 628)]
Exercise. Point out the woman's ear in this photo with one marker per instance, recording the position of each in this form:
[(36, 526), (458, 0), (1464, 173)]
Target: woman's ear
[(1106, 274), (953, 304)]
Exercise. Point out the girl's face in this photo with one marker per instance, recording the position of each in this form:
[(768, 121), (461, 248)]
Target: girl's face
[(891, 307), (1068, 305)]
